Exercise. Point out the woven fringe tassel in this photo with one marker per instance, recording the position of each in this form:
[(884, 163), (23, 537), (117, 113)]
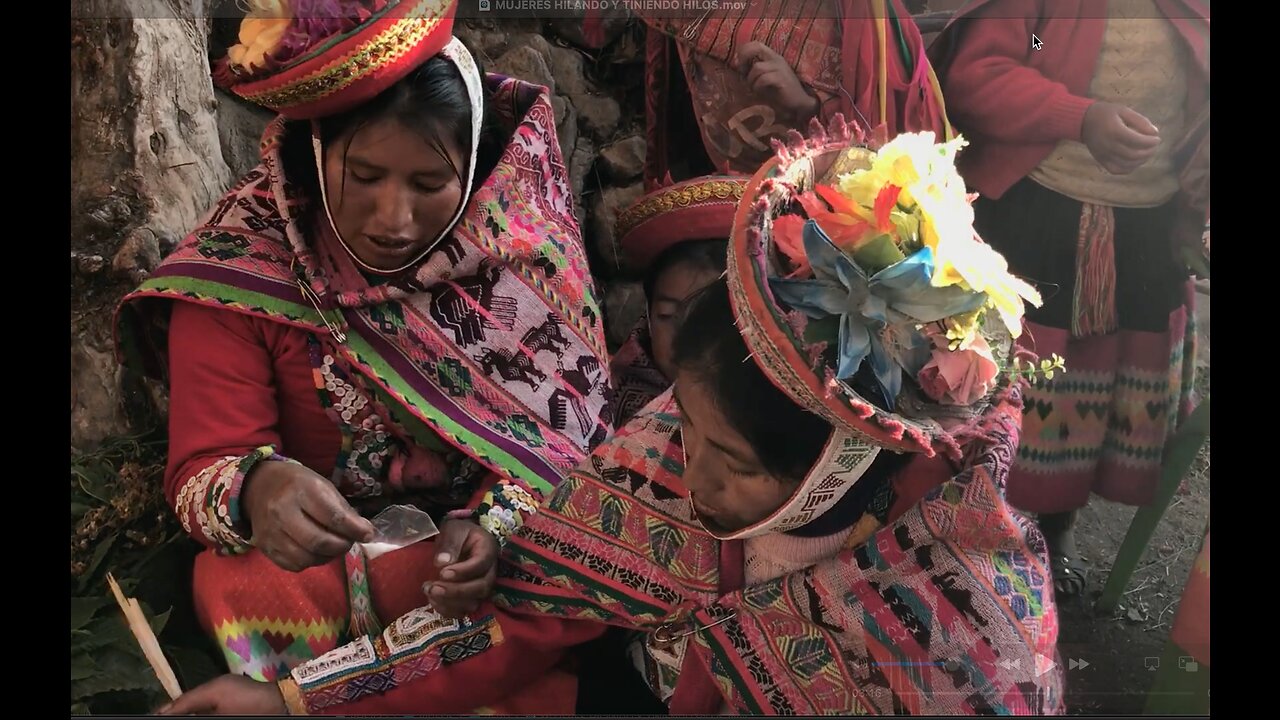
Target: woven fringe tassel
[(364, 621), (1094, 304)]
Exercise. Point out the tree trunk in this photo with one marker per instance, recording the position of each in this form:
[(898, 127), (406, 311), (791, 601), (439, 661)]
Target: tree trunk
[(146, 164)]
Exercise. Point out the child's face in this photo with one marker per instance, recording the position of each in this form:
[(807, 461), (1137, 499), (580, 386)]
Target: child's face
[(672, 289)]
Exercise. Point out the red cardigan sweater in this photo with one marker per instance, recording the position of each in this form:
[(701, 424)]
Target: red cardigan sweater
[(1015, 104)]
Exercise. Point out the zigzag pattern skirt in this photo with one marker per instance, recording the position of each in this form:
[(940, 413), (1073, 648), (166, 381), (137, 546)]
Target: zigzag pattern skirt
[(1101, 427)]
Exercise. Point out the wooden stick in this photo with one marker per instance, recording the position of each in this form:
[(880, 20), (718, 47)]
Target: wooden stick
[(146, 640)]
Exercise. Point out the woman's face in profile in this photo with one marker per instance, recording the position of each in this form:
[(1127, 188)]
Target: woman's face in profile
[(729, 486), (391, 193)]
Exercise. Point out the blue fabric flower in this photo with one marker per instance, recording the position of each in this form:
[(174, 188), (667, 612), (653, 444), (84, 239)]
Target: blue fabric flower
[(865, 305)]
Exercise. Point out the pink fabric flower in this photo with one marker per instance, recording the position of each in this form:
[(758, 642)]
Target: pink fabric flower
[(959, 377)]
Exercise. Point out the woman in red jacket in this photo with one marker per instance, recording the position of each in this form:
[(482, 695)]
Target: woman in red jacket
[(394, 307), (1090, 150)]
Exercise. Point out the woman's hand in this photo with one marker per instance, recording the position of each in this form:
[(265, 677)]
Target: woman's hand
[(298, 518), (468, 560), (772, 77), (229, 695), (1119, 138)]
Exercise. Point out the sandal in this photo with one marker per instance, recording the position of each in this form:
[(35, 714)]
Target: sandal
[(1070, 575), (1070, 571)]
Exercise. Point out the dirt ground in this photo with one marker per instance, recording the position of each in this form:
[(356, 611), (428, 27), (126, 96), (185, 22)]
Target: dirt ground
[(1116, 646)]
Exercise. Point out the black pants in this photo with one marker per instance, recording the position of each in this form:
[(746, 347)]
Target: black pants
[(1037, 231)]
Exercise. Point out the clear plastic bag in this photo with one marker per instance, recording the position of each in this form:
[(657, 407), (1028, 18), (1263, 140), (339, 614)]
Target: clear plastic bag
[(396, 527)]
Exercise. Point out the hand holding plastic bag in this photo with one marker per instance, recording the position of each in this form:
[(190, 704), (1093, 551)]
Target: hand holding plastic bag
[(397, 527)]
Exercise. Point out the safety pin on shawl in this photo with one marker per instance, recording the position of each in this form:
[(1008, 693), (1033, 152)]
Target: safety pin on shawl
[(692, 30), (314, 299), (665, 634)]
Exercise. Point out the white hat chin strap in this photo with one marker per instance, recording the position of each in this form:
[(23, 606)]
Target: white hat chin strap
[(845, 459), (456, 53)]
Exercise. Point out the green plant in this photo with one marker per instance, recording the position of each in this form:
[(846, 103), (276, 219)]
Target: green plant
[(120, 523)]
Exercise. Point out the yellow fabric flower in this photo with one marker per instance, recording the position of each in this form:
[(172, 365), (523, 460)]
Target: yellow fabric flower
[(914, 162), (934, 208), (962, 329), (260, 33), (980, 268)]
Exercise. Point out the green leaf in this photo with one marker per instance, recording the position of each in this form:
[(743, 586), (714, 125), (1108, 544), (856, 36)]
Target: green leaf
[(84, 608), (826, 329), (1196, 262), (93, 480), (99, 554), (78, 509), (126, 685), (193, 666), (106, 631), (114, 631), (877, 254), (158, 622), (156, 568), (114, 677), (82, 667)]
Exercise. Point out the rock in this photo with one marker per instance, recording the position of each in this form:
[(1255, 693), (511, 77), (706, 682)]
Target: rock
[(629, 49), (598, 115), (109, 213), (468, 33), (566, 125), (534, 41), (240, 126), (624, 305), (572, 29), (560, 108), (604, 213), (495, 42), (567, 132), (138, 255), (485, 41), (584, 156), (168, 242), (580, 213), (568, 68), (88, 265), (470, 36), (624, 160), (527, 64)]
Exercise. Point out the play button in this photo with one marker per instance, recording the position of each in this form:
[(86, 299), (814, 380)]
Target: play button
[(1044, 665), (1077, 664)]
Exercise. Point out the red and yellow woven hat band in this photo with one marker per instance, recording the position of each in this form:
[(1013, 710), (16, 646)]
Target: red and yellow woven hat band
[(308, 59), (701, 208)]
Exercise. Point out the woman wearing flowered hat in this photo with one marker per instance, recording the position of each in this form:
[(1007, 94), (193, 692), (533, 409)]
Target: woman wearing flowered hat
[(1091, 152), (677, 237), (813, 520), (393, 308)]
